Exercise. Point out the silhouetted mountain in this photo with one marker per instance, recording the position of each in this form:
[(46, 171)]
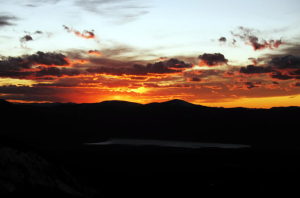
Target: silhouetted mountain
[(178, 103), (171, 120)]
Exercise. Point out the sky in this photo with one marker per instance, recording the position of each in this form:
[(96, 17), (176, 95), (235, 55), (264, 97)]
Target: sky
[(231, 53)]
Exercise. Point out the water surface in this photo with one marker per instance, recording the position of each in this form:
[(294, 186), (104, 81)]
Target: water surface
[(166, 143)]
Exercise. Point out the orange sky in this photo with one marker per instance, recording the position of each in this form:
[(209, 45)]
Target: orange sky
[(80, 81)]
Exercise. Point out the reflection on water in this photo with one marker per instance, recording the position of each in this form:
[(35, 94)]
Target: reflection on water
[(178, 144)]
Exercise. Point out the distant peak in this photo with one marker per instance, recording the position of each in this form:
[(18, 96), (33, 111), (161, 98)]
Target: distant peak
[(4, 102), (178, 102)]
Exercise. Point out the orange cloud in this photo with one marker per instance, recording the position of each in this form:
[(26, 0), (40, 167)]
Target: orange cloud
[(295, 85), (212, 87), (94, 52)]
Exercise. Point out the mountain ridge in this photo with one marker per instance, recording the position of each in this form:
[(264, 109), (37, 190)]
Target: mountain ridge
[(173, 102)]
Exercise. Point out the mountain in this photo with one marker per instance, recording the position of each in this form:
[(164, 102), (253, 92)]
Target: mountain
[(178, 103), (25, 173), (69, 123), (5, 105)]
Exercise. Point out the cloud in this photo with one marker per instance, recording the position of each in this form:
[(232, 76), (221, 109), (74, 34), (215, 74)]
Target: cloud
[(121, 11), (210, 60), (280, 68), (13, 64), (162, 67), (94, 52), (38, 65), (6, 20), (177, 64), (195, 79), (222, 40), (251, 85), (251, 69), (49, 59), (85, 34), (214, 73), (285, 62), (249, 36), (153, 85), (274, 85), (245, 85), (285, 67), (58, 72), (296, 84), (280, 76), (61, 82), (228, 74), (26, 38), (163, 58), (38, 32), (212, 87)]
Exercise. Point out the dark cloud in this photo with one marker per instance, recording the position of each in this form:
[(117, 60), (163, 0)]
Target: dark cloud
[(37, 65), (285, 67), (26, 38), (161, 67), (296, 84), (13, 64), (175, 63), (58, 72), (222, 39), (281, 68), (38, 32), (6, 20), (16, 74), (249, 36), (245, 85), (27, 61), (251, 69), (49, 58), (251, 85), (280, 76), (136, 69), (194, 79), (213, 59), (285, 62)]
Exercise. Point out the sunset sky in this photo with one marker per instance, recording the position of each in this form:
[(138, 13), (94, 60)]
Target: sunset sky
[(214, 53)]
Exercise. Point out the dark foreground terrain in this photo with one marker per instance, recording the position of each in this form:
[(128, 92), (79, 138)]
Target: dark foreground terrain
[(43, 150)]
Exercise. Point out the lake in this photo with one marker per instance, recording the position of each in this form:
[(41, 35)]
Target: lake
[(166, 143)]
